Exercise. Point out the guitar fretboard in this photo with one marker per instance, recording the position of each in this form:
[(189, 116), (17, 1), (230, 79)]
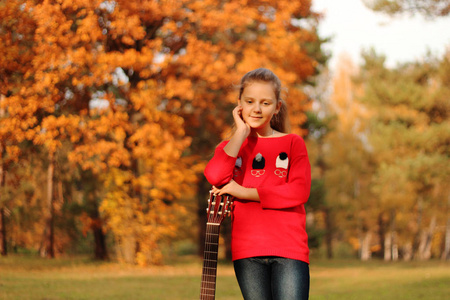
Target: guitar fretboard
[(208, 286)]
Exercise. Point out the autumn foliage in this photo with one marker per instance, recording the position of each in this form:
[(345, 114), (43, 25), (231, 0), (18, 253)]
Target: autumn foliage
[(110, 108), (385, 159)]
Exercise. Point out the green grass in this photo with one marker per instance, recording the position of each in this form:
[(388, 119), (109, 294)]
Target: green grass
[(380, 280), (28, 277)]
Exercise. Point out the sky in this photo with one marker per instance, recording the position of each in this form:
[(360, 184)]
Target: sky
[(354, 27)]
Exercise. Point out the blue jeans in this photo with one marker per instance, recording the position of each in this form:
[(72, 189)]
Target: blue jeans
[(272, 278)]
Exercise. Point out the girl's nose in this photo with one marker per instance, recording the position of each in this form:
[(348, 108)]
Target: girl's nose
[(257, 107)]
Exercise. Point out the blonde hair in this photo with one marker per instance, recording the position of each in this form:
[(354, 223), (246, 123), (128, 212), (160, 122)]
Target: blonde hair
[(280, 120)]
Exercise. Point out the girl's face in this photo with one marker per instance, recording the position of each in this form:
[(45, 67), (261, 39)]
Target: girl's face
[(259, 104)]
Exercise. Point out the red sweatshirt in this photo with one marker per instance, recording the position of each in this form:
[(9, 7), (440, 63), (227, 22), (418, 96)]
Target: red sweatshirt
[(280, 171)]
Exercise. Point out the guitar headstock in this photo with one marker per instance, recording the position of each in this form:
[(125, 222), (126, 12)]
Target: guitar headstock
[(218, 207)]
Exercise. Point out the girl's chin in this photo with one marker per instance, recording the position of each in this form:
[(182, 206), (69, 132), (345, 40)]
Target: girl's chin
[(257, 127), (256, 124)]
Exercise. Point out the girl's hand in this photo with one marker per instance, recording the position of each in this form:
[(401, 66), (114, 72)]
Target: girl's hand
[(231, 188), (237, 191), (241, 126), (242, 132)]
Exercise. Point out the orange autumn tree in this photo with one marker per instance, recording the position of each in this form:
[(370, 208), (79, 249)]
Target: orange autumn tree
[(34, 102), (16, 116), (129, 142)]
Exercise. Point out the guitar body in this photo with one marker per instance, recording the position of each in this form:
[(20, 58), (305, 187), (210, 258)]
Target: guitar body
[(218, 208)]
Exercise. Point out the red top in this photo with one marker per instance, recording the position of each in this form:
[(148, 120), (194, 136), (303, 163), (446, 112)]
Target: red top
[(280, 171)]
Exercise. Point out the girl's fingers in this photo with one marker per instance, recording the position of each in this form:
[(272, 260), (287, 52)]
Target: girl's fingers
[(237, 112), (215, 190)]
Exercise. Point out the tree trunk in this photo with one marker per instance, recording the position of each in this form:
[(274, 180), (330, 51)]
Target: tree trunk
[(100, 250), (390, 244), (365, 246), (126, 247), (394, 239), (91, 183), (430, 234), (48, 249), (446, 253), (381, 235), (446, 249), (388, 247), (394, 247), (424, 251), (4, 251), (328, 232), (407, 252), (417, 236)]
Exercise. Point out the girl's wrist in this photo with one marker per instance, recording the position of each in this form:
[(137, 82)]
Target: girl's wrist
[(242, 133), (250, 194), (235, 143)]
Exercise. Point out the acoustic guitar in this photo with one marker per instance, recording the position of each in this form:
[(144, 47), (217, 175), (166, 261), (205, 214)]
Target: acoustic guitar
[(218, 208)]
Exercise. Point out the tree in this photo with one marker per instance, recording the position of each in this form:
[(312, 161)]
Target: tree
[(347, 156), (407, 129), (428, 8), (320, 224), (16, 31)]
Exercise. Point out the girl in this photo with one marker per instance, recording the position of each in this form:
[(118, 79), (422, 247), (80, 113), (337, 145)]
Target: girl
[(268, 173)]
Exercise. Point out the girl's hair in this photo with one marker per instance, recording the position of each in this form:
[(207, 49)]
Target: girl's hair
[(280, 121)]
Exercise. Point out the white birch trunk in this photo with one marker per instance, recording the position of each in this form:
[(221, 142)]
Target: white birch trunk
[(366, 254), (388, 247)]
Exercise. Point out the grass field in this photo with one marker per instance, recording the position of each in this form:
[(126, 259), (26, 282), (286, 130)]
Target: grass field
[(27, 277)]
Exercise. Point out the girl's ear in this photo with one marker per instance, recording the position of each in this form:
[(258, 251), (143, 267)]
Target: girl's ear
[(278, 106)]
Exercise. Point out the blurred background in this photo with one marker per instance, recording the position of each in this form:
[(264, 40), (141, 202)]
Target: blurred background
[(109, 111)]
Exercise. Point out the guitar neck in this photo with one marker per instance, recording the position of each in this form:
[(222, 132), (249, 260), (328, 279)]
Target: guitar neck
[(208, 287)]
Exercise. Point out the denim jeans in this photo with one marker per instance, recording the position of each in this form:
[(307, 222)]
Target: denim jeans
[(272, 278)]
